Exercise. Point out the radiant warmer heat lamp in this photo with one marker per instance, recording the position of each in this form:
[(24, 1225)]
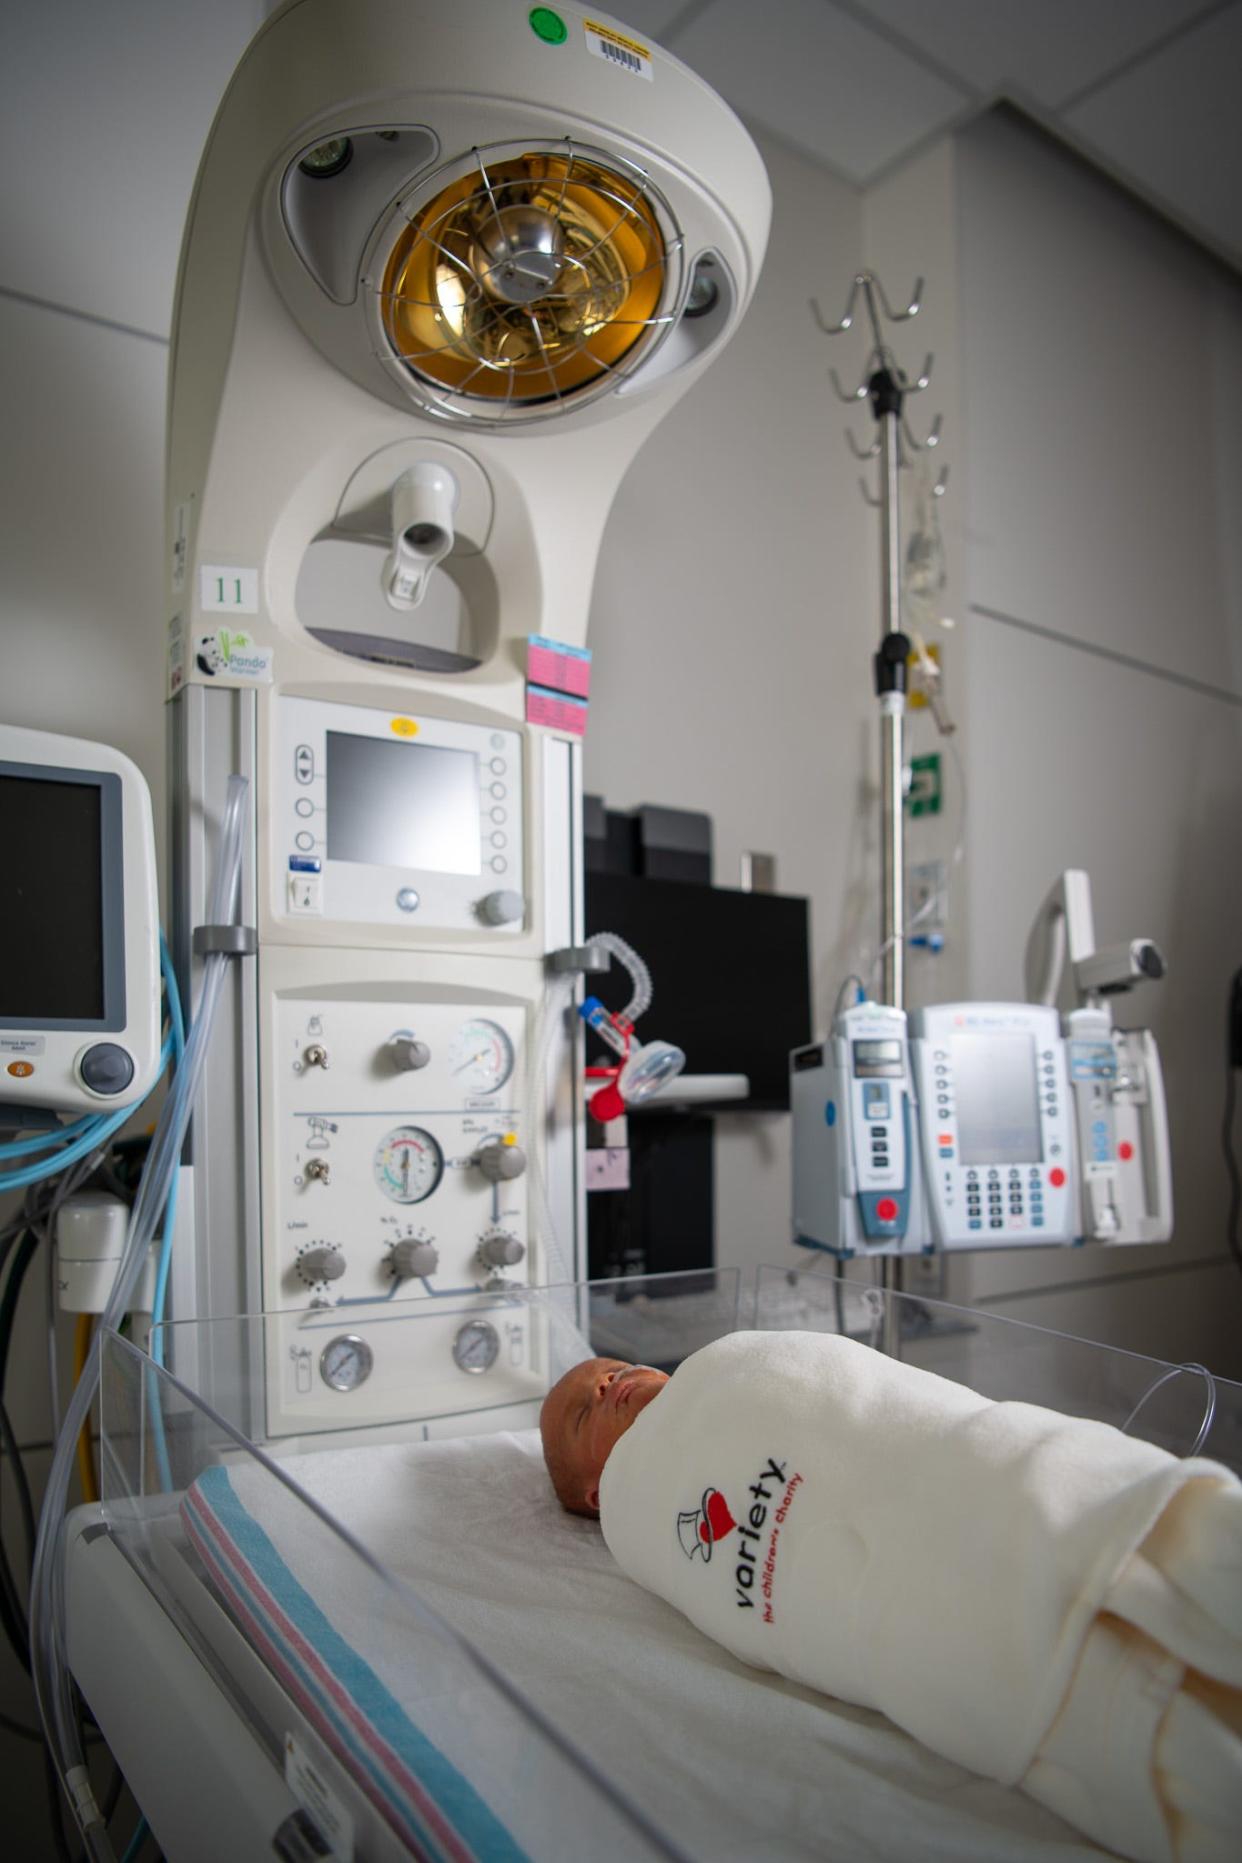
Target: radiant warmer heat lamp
[(448, 262)]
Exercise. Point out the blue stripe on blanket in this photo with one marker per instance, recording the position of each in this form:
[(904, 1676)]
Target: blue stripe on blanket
[(454, 1797)]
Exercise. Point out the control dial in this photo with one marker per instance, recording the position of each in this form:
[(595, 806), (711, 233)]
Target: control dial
[(500, 1248), (405, 1052), (500, 1163), (414, 1257), (323, 1262), (502, 908)]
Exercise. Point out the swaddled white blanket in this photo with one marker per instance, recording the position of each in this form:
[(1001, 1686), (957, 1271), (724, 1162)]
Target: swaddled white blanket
[(898, 1541)]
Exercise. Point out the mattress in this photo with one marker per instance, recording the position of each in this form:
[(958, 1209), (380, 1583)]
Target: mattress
[(727, 1761)]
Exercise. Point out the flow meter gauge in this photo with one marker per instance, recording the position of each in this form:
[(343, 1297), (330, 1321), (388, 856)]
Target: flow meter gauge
[(346, 1362), (476, 1347), (408, 1164), (481, 1057)]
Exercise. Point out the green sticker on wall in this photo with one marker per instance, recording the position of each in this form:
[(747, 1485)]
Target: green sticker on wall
[(924, 795)]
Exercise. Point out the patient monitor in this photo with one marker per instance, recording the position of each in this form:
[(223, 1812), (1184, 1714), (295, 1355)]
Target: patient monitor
[(79, 933), (445, 269)]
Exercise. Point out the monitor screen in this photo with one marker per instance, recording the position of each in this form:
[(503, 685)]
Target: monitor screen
[(51, 913), (996, 1086), (405, 805)]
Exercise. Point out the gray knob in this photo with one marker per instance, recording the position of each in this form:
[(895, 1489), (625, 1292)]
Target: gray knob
[(501, 1250), (502, 908), (414, 1257), (500, 1164), (322, 1264), (407, 1053)]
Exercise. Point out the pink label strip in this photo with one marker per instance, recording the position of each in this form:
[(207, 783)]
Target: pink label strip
[(556, 711), (565, 669)]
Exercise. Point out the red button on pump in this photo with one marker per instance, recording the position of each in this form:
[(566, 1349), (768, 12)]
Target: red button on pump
[(1056, 1177), (1125, 1151), (886, 1210)]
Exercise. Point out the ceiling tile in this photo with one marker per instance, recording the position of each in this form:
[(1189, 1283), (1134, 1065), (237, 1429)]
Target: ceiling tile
[(818, 79), (1048, 51), (1173, 124)]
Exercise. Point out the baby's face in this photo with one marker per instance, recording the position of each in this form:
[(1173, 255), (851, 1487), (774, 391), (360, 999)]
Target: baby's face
[(585, 1415)]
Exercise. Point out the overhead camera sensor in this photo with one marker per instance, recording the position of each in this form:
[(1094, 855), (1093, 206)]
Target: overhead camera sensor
[(327, 159)]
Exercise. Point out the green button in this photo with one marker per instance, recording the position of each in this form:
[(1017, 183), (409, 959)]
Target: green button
[(548, 26)]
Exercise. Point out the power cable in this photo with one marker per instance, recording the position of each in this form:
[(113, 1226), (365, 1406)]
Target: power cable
[(1233, 1061)]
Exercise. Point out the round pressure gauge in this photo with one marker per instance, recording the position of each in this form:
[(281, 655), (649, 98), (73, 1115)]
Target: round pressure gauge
[(481, 1057), (476, 1347), (346, 1362), (408, 1164)]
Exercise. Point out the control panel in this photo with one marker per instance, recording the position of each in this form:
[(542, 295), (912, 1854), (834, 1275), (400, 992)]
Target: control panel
[(1123, 1134), (398, 1175), (855, 1160), (384, 818), (997, 1125)]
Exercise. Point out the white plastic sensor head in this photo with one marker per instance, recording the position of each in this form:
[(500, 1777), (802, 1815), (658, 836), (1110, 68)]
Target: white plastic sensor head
[(424, 507)]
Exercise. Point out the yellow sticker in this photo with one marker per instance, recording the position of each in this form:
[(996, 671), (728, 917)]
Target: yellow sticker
[(404, 727), (510, 1138), (615, 49)]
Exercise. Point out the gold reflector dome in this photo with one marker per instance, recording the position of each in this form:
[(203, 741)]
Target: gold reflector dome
[(526, 281)]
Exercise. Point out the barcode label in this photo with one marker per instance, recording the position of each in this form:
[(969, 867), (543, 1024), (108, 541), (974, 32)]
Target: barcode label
[(623, 54)]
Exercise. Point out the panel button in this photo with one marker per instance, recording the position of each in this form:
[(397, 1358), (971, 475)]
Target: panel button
[(1056, 1177), (500, 815), (497, 766), (106, 1068), (304, 764), (408, 899), (304, 842), (499, 791), (886, 1210), (879, 1132), (304, 806)]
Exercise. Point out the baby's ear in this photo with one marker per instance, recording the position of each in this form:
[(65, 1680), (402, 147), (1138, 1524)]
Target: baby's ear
[(592, 1499)]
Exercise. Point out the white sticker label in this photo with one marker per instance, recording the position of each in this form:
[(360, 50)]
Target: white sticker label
[(318, 1800), (22, 1044), (225, 589), (180, 545), (232, 658), (616, 50)]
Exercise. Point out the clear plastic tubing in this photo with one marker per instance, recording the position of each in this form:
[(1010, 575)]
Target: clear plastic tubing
[(51, 1674), (639, 974)]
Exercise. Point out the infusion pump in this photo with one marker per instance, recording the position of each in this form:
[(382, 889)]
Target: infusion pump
[(977, 1126)]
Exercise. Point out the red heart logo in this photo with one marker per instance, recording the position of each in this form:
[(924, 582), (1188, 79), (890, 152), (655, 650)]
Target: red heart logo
[(719, 1520)]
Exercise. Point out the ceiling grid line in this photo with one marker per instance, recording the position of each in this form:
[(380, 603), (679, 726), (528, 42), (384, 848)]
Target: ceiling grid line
[(1141, 56)]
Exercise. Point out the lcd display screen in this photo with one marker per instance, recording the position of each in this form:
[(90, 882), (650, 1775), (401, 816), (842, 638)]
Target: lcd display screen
[(51, 909), (996, 1087), (878, 1058), (397, 804)]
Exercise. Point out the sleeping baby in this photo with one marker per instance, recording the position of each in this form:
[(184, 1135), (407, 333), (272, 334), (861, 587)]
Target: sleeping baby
[(1038, 1597)]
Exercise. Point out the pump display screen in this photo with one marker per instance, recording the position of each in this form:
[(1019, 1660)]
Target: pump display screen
[(874, 1059), (51, 902), (995, 1084), (403, 805)]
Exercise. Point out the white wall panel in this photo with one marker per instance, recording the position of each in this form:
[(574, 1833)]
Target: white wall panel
[(105, 110), (733, 624), (1185, 1317), (1098, 403), (1075, 761)]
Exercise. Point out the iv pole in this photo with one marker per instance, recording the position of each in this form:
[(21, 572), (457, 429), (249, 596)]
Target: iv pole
[(886, 386)]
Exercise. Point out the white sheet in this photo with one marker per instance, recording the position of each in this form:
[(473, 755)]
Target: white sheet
[(730, 1762)]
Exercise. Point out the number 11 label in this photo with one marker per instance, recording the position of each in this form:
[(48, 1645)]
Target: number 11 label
[(225, 589)]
